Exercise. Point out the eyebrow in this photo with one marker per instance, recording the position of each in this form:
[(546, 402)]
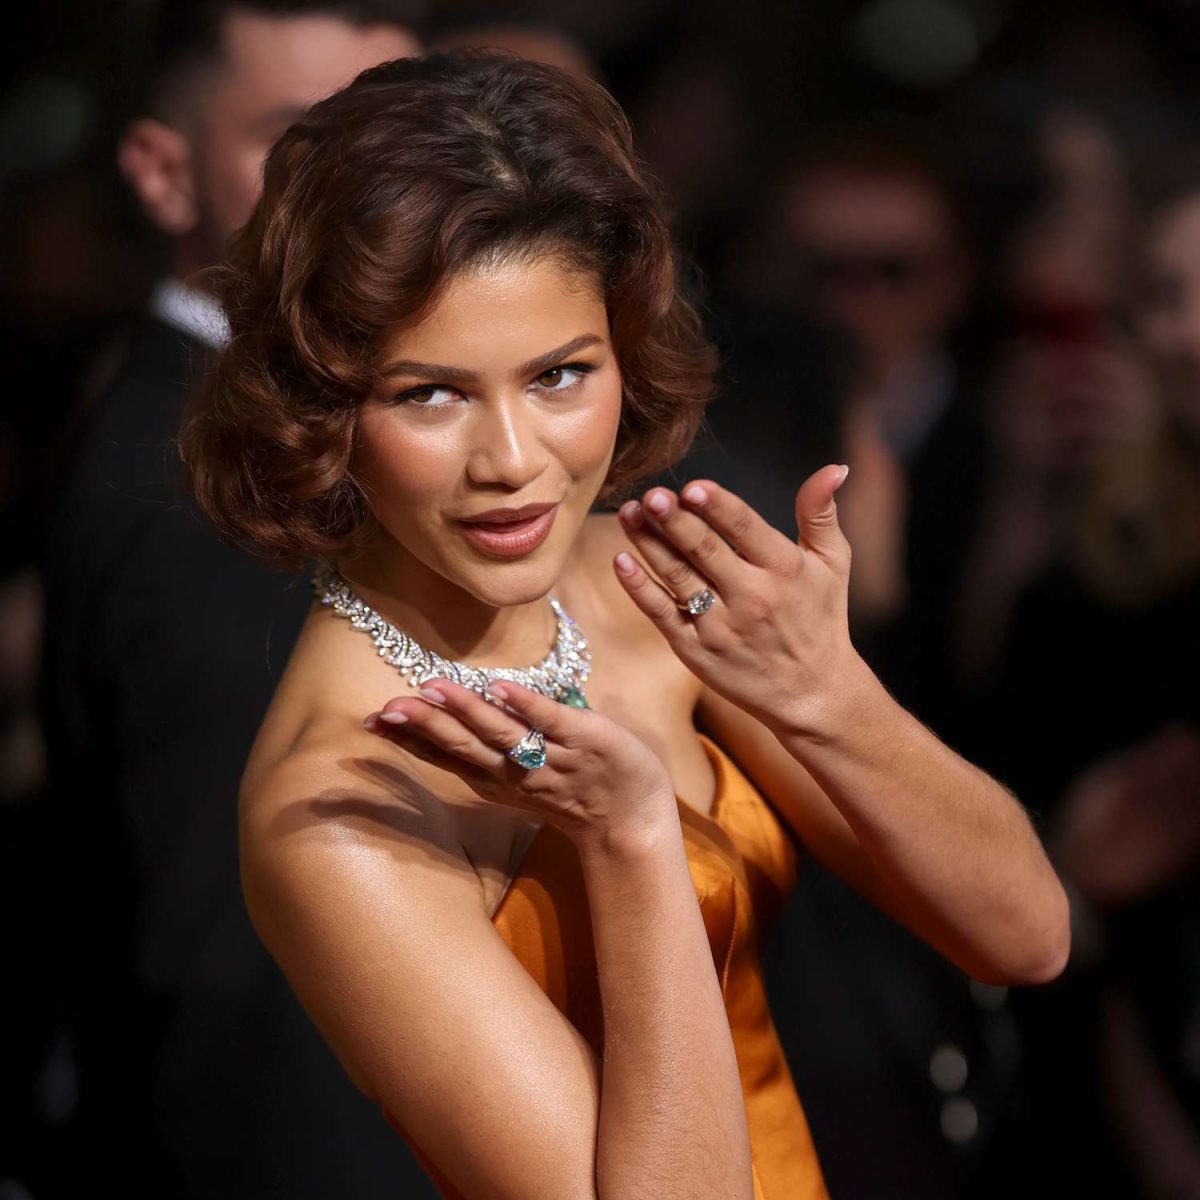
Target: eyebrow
[(543, 362)]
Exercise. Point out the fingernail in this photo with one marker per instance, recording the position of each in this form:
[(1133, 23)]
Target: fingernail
[(695, 494), (632, 512), (393, 718), (842, 477), (656, 502), (625, 563), (432, 694), (497, 690)]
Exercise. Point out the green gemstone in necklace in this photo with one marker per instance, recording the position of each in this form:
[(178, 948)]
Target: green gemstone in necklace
[(573, 697)]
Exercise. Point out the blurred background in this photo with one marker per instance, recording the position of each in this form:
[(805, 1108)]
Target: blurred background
[(953, 243)]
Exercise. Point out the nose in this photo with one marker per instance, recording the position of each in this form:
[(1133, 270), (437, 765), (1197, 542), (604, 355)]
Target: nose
[(506, 443)]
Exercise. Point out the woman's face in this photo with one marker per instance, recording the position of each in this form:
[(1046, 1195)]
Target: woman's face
[(506, 394)]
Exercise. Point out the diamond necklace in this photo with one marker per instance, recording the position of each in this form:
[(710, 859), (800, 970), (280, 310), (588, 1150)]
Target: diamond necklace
[(561, 674)]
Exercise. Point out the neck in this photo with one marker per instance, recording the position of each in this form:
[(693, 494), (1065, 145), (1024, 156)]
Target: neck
[(190, 265), (446, 618)]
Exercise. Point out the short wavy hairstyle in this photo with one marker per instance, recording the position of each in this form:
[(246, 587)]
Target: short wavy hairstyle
[(421, 168)]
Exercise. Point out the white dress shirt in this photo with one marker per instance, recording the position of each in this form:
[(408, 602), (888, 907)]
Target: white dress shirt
[(190, 311)]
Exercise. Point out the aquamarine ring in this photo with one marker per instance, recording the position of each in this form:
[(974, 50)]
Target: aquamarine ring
[(530, 751)]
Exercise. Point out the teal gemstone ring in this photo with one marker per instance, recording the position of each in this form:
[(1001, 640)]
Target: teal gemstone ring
[(530, 751)]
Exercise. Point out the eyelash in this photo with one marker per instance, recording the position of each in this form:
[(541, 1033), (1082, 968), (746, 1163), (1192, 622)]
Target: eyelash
[(580, 368)]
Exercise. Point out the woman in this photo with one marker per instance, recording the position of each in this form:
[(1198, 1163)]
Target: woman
[(456, 323)]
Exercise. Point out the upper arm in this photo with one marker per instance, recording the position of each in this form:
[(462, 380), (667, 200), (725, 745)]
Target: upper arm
[(379, 925), (801, 802)]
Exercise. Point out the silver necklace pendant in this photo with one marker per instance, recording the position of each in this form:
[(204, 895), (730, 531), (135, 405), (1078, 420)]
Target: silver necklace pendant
[(561, 674)]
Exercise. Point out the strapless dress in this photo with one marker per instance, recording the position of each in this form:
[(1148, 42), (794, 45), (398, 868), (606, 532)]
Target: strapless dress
[(743, 863)]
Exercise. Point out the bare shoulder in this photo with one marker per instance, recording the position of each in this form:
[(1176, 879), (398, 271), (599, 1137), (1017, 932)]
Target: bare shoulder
[(343, 801), (360, 891), (334, 780)]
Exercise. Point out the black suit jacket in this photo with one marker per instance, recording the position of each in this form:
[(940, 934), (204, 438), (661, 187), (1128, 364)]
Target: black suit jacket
[(198, 1073)]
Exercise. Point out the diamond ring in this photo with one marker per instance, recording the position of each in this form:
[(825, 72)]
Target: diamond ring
[(700, 602), (530, 751)]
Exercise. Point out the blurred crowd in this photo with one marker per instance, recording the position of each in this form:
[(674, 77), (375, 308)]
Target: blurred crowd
[(956, 246)]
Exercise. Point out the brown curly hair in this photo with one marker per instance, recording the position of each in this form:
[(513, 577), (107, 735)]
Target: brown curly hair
[(418, 169)]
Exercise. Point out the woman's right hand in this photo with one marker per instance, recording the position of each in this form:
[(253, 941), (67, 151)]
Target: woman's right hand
[(600, 784)]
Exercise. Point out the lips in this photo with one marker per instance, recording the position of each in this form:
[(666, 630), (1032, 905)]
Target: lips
[(507, 516), (509, 538)]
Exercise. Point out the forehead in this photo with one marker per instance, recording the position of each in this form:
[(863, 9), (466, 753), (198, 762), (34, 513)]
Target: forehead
[(294, 61), (497, 314)]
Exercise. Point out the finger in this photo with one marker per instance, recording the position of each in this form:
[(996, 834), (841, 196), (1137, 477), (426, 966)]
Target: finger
[(480, 779), (816, 512), (559, 722), (419, 746), (680, 577), (424, 718), (652, 598), (495, 727), (689, 534), (751, 536)]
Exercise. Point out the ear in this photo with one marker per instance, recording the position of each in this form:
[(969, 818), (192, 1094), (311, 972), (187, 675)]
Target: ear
[(156, 161)]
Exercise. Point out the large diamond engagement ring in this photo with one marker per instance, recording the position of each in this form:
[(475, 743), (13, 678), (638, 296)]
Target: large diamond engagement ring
[(700, 602), (530, 751)]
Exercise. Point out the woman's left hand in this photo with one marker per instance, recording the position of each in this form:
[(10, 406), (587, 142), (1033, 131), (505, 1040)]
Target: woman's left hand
[(776, 640)]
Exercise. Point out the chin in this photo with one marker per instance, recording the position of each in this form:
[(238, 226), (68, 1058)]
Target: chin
[(505, 586), (507, 574)]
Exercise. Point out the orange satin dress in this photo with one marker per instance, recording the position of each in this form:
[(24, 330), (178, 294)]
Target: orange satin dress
[(743, 863)]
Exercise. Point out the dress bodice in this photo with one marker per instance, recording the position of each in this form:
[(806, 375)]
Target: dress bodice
[(743, 863)]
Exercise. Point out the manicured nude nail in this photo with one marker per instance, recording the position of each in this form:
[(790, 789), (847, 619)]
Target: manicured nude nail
[(433, 694), (632, 512), (393, 718), (695, 494), (497, 690), (656, 502), (625, 563)]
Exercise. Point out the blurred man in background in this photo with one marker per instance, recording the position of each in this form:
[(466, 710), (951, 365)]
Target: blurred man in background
[(194, 1071)]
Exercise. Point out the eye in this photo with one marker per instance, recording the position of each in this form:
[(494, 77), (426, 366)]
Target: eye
[(579, 370), (414, 396)]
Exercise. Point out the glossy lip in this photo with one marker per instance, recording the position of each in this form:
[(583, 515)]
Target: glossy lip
[(511, 539), (506, 515)]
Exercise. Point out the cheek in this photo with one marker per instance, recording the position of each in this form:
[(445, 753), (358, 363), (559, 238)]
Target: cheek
[(585, 440), (235, 180), (399, 468), (245, 182)]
